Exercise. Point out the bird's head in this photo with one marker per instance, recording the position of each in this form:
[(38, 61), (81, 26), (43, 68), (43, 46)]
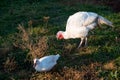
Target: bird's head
[(59, 35), (35, 61)]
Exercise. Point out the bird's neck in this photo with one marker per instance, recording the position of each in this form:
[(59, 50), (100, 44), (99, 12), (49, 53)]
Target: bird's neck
[(65, 35)]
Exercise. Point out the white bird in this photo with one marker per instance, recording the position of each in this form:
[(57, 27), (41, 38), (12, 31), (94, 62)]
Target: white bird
[(45, 63), (79, 24)]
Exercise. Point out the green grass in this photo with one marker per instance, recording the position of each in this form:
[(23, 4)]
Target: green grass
[(87, 63)]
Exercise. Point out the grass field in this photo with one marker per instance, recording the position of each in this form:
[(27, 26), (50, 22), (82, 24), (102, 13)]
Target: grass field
[(36, 37)]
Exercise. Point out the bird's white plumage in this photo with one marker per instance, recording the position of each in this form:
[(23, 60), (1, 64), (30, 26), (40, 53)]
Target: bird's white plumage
[(46, 63), (79, 24), (80, 19)]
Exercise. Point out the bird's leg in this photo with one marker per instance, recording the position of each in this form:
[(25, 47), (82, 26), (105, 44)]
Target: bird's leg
[(85, 41), (81, 42)]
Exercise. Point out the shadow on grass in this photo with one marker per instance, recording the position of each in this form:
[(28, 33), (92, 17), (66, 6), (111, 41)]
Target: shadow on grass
[(101, 56)]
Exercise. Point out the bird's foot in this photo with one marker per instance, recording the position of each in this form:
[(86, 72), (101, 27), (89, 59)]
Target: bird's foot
[(78, 47), (85, 46)]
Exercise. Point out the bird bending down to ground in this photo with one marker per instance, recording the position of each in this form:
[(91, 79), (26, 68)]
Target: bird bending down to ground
[(79, 24), (45, 63)]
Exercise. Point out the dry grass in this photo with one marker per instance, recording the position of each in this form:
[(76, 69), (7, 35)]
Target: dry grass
[(109, 66), (46, 19), (89, 72), (37, 45), (10, 65), (72, 74)]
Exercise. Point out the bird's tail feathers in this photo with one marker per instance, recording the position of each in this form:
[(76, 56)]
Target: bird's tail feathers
[(102, 20)]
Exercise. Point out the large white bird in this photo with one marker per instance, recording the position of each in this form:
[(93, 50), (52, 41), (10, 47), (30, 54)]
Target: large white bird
[(79, 24), (45, 63)]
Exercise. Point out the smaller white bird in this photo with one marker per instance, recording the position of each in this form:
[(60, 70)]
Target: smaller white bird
[(45, 63)]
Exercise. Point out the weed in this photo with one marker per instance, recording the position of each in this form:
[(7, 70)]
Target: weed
[(25, 40), (10, 65)]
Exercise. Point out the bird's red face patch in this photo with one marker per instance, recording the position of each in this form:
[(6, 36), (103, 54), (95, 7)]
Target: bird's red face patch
[(60, 36)]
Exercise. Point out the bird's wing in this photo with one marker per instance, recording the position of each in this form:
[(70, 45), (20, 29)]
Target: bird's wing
[(75, 20), (91, 18), (48, 62), (48, 59), (80, 19)]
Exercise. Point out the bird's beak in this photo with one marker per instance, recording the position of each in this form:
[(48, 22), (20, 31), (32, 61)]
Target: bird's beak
[(34, 65)]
